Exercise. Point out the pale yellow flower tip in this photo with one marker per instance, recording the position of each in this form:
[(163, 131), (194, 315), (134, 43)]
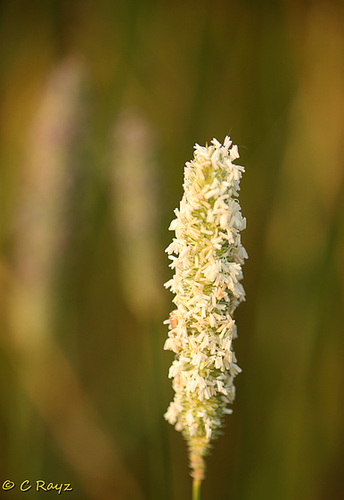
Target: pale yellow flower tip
[(208, 269)]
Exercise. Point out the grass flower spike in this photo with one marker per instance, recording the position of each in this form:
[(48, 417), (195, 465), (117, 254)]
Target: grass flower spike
[(207, 288)]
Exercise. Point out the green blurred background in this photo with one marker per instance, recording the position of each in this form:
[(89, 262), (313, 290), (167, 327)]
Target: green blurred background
[(101, 103)]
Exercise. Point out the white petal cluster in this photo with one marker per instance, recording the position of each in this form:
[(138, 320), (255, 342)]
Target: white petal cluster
[(207, 263)]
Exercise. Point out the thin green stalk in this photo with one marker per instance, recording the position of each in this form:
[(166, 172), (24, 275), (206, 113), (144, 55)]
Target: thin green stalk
[(196, 489)]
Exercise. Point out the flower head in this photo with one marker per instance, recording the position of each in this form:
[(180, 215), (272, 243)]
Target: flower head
[(207, 263)]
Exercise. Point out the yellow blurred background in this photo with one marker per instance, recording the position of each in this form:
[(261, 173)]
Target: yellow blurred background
[(101, 103)]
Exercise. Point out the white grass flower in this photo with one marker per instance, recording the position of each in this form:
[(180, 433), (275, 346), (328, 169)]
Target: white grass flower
[(207, 288)]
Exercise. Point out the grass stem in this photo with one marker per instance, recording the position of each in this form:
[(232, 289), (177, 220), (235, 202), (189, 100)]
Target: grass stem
[(196, 489)]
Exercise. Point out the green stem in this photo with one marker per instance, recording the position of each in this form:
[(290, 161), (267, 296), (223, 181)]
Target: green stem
[(196, 489)]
